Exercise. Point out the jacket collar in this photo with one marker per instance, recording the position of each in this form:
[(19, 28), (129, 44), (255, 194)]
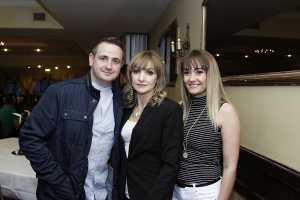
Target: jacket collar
[(95, 93)]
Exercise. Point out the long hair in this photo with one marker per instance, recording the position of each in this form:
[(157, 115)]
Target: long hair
[(141, 61), (215, 93)]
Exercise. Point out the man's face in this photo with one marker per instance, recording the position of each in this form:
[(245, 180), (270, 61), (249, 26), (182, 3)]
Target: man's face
[(106, 63)]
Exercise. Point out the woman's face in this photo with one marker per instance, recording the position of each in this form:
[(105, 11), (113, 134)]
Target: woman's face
[(195, 80), (144, 79)]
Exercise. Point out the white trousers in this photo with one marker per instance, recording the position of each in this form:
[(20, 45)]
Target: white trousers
[(209, 192)]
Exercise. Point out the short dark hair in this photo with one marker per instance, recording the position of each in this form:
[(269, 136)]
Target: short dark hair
[(111, 40)]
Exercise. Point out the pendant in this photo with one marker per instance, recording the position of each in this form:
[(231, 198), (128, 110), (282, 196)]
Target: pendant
[(185, 155), (137, 114)]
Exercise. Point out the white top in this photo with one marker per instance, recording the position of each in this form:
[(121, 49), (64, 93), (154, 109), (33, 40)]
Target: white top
[(126, 135), (96, 187)]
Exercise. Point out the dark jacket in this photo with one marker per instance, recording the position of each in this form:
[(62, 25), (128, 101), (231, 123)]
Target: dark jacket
[(154, 150), (57, 137)]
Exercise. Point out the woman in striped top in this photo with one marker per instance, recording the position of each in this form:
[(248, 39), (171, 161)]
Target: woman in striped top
[(211, 132)]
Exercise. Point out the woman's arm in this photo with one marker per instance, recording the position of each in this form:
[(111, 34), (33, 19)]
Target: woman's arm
[(228, 121)]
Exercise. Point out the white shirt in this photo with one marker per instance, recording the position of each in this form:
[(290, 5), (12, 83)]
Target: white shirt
[(102, 140), (126, 135)]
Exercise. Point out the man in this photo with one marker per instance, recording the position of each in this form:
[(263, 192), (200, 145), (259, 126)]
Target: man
[(69, 136)]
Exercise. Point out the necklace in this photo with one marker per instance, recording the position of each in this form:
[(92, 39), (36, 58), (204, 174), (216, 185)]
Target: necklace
[(185, 154), (138, 113)]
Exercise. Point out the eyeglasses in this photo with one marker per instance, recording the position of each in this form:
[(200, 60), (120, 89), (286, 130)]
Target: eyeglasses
[(198, 70)]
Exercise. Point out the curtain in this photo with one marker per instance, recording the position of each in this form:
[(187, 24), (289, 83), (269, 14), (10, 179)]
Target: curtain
[(134, 44)]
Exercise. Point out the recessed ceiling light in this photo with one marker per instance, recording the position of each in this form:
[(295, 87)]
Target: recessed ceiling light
[(56, 68), (47, 70), (2, 43), (246, 56), (5, 49), (28, 67), (38, 50), (39, 66), (68, 67), (218, 55), (289, 55)]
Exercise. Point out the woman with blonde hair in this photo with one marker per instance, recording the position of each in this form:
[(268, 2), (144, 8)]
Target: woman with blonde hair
[(211, 132), (151, 135)]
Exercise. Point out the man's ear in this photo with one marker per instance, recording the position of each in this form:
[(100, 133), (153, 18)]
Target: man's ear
[(91, 59)]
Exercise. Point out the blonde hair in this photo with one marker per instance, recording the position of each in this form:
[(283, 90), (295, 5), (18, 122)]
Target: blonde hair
[(215, 93), (141, 61)]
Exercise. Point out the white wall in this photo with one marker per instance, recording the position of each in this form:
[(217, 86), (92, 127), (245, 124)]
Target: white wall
[(185, 11), (270, 121), (20, 15)]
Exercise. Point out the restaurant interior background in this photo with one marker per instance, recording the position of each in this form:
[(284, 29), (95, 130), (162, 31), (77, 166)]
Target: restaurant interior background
[(256, 43)]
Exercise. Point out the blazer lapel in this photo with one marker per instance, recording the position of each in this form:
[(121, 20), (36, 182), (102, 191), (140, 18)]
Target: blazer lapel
[(117, 108), (125, 117), (135, 135)]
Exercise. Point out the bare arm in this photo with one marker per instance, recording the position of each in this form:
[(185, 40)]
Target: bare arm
[(228, 121)]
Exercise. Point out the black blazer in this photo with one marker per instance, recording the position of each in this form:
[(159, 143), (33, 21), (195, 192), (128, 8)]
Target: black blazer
[(154, 150)]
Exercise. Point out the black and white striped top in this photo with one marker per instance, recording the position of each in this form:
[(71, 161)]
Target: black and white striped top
[(204, 147)]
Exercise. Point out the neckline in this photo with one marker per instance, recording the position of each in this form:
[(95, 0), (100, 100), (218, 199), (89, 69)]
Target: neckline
[(130, 121), (198, 98), (100, 87)]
